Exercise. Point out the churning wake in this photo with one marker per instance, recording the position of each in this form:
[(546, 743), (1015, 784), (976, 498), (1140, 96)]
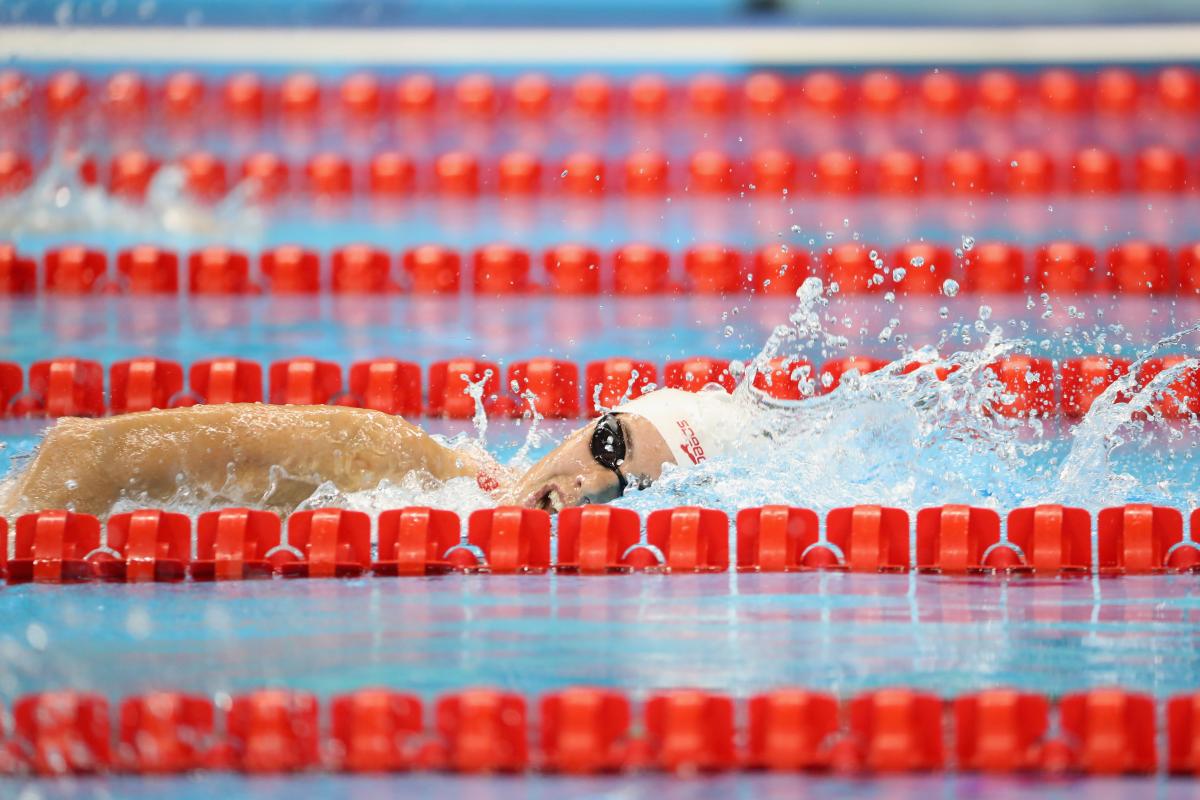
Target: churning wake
[(921, 431)]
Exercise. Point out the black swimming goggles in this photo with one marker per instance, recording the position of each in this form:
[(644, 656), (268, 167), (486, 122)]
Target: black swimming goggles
[(608, 447)]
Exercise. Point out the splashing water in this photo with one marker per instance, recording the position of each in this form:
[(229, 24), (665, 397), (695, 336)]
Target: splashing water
[(918, 432), (60, 203), (921, 432)]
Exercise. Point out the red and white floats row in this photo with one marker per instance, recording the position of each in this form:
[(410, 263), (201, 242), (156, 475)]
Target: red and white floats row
[(587, 730), (186, 96), (764, 174), (240, 544), (915, 268), (1030, 386)]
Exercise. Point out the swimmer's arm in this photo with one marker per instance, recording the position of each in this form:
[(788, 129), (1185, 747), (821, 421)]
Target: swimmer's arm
[(237, 451)]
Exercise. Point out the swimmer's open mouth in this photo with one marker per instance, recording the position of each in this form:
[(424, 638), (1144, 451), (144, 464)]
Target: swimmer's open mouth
[(549, 499)]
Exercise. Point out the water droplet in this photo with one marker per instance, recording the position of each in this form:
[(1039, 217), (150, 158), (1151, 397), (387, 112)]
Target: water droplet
[(138, 624), (37, 637), (985, 312), (898, 274), (950, 287), (917, 261), (967, 243), (728, 331)]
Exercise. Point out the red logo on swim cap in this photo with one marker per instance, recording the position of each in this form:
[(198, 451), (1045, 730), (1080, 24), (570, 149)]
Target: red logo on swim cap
[(691, 446)]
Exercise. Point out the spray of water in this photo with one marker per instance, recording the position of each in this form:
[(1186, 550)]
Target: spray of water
[(924, 431), (60, 203), (921, 431)]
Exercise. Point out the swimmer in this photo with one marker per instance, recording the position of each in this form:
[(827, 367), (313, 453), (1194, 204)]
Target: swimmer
[(628, 447), (276, 456)]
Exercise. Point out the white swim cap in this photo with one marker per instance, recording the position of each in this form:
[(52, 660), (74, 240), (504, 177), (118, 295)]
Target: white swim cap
[(693, 424)]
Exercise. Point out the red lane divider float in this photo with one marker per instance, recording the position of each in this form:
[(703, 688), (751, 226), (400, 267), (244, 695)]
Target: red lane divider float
[(148, 545), (416, 541), (770, 173), (375, 730), (689, 731), (129, 99), (165, 733), (331, 543), (506, 540), (1028, 386), (596, 539), (270, 731), (1001, 731), (1133, 268), (237, 544), (234, 544), (481, 731), (587, 731)]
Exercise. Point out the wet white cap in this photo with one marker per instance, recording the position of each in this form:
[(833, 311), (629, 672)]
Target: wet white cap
[(693, 424)]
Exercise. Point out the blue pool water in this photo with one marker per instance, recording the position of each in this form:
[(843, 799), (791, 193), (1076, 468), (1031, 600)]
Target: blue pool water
[(736, 633), (836, 632), (472, 13), (741, 787)]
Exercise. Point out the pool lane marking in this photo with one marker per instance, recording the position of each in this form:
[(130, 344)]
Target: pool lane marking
[(448, 46)]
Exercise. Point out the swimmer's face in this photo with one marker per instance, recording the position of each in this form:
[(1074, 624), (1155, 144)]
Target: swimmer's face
[(570, 475)]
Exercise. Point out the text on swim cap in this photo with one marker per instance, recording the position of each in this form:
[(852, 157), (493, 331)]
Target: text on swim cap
[(691, 445)]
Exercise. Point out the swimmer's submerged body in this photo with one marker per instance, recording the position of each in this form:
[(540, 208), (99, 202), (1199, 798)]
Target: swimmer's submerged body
[(275, 457)]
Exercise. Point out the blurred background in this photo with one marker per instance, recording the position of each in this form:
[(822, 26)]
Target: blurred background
[(467, 13)]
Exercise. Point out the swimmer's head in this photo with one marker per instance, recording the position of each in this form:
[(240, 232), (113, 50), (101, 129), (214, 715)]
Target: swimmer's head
[(624, 449)]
